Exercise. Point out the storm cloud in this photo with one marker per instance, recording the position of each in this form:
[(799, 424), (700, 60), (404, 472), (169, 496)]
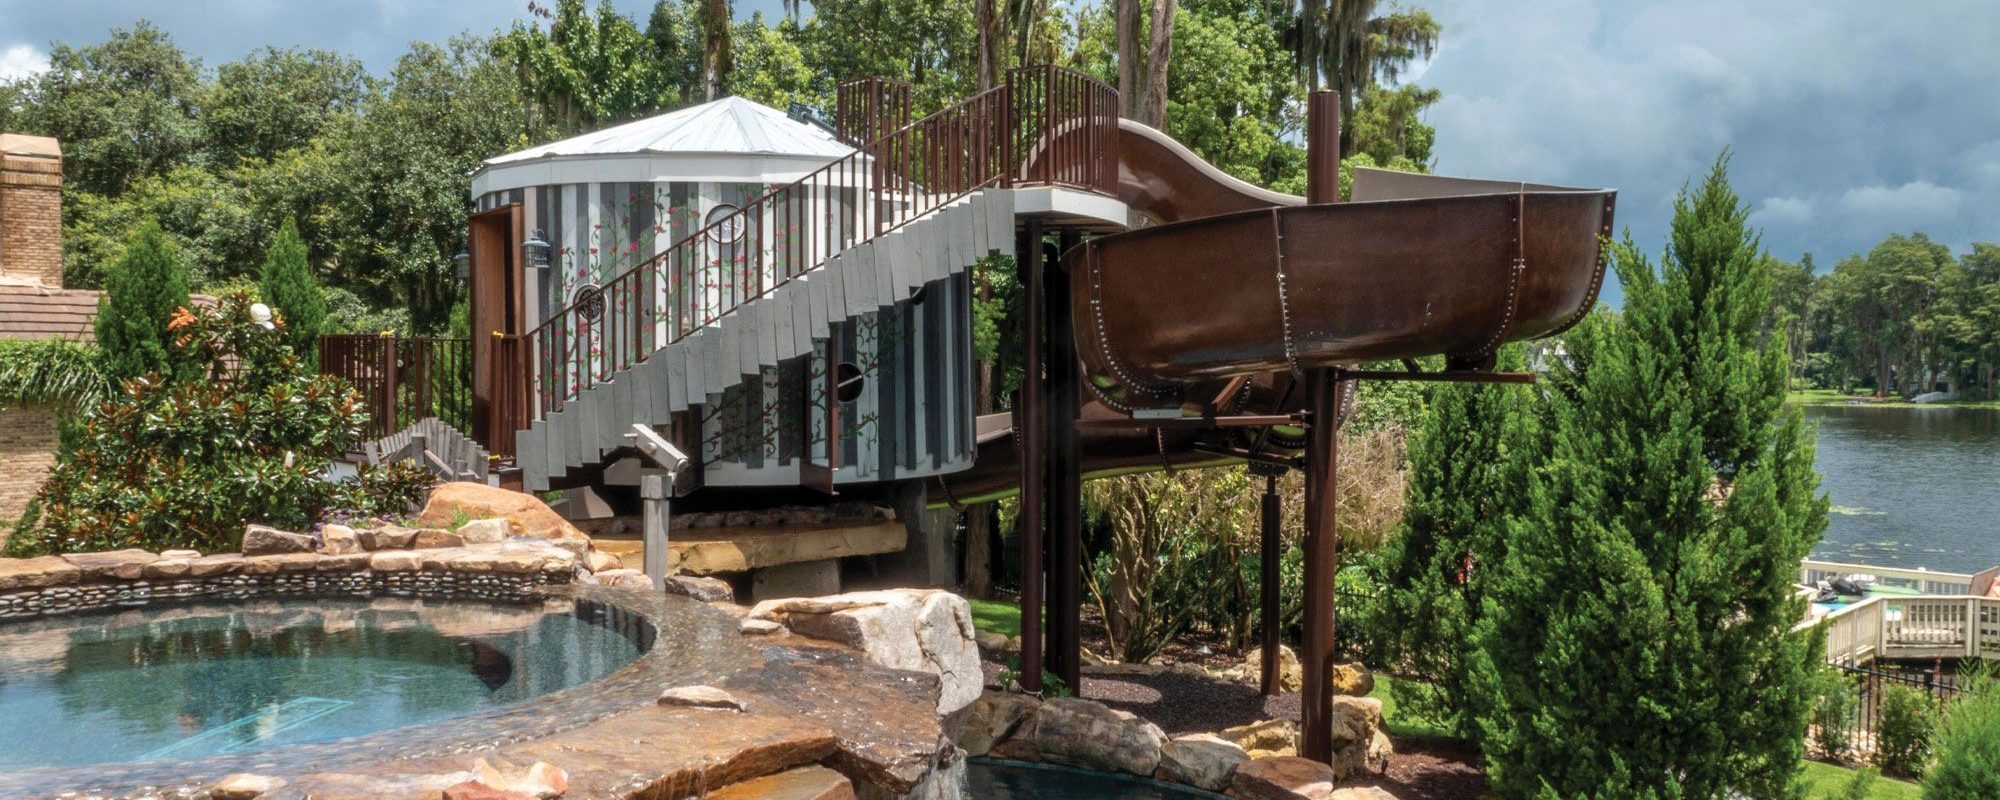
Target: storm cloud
[(1847, 120)]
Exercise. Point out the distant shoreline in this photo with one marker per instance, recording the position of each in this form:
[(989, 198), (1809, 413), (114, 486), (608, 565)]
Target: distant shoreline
[(1832, 397)]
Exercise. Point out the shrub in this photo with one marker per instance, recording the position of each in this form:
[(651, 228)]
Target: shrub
[(54, 372), (1968, 745), (287, 284), (1862, 786), (187, 461), (388, 490), (1904, 728), (1833, 712), (141, 291)]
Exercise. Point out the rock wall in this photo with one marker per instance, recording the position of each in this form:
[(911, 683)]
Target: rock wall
[(31, 587)]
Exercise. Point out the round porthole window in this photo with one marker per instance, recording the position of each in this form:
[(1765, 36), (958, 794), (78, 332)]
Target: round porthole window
[(589, 302), (725, 226), (847, 382)]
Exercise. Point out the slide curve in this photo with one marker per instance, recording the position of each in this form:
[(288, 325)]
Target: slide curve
[(1223, 280)]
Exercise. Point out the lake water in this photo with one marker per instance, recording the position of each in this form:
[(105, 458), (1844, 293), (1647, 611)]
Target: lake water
[(1910, 487)]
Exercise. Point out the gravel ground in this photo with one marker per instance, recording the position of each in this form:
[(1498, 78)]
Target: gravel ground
[(1422, 769)]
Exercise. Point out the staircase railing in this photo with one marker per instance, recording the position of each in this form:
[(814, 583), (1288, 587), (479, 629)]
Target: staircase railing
[(1044, 126)]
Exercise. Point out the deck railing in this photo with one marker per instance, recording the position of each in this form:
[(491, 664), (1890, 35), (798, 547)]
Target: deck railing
[(1916, 627), (1922, 581), (403, 378), (1044, 126)]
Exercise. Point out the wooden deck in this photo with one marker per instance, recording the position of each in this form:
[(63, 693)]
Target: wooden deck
[(1919, 627), (721, 551)]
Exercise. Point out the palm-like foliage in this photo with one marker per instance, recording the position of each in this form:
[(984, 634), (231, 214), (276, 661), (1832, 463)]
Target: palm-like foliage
[(55, 372), (1348, 46)]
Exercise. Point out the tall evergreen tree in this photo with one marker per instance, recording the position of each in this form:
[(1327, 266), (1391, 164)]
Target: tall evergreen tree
[(287, 284), (1453, 536), (140, 296), (1637, 641)]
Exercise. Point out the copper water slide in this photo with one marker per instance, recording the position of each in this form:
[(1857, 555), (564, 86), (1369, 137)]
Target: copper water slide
[(1227, 280)]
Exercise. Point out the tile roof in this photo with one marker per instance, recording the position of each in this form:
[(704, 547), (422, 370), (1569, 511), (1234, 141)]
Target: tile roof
[(34, 312)]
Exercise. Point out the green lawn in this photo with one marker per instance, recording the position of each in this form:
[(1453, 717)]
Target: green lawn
[(1833, 397), (1398, 723), (1824, 782), (996, 616)]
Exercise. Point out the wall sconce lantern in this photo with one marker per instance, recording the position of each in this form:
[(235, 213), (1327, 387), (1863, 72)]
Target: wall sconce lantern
[(463, 264), (536, 250)]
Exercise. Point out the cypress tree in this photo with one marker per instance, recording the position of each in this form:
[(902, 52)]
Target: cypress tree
[(287, 284), (1637, 641), (141, 292), (1453, 536)]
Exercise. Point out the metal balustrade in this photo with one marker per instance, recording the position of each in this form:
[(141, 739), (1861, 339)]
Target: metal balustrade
[(1045, 126)]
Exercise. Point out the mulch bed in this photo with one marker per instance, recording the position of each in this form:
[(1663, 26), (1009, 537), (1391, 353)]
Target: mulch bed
[(1421, 769)]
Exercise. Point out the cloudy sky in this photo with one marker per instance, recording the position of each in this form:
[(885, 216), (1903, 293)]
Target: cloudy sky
[(1849, 120)]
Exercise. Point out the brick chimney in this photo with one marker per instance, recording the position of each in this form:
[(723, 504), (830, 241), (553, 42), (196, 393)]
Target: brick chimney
[(30, 210)]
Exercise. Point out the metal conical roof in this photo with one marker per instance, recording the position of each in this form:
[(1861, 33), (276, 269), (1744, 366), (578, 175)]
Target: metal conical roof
[(729, 126)]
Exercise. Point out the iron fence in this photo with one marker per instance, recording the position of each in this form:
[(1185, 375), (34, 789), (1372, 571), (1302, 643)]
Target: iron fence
[(1861, 728), (403, 379)]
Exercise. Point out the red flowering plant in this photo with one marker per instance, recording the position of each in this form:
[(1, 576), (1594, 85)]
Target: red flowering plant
[(185, 462)]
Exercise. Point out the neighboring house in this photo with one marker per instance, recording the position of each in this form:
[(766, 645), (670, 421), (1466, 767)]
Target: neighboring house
[(33, 303)]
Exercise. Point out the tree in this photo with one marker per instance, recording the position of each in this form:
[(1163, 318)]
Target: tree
[(1344, 46), (141, 293), (1453, 536), (588, 70), (123, 109), (713, 19), (287, 284), (1968, 744), (401, 172), (276, 100), (1637, 641)]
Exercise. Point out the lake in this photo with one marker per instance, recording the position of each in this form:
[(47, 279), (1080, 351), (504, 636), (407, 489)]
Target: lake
[(1910, 487)]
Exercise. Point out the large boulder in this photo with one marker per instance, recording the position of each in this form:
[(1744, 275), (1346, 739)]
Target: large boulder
[(526, 515), (997, 718), (1272, 737), (1201, 760), (1085, 733), (1282, 778), (264, 540), (1351, 679), (916, 629), (1358, 742), (1291, 676)]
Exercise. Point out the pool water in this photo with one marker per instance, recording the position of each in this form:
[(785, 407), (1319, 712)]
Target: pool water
[(992, 779), (187, 682)]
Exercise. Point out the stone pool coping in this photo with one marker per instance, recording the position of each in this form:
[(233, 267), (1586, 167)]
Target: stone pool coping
[(807, 702), (85, 582)]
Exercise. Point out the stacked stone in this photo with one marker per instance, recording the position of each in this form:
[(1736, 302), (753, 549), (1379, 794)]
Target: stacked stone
[(278, 563)]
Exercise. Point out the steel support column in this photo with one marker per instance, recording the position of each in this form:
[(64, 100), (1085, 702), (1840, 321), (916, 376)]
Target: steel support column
[(1065, 476), (1030, 420), (1268, 580), (1327, 392)]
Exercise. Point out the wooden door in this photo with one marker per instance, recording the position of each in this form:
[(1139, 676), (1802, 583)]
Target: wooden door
[(497, 284)]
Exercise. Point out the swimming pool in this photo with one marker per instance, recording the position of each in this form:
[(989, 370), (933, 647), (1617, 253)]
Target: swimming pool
[(186, 682)]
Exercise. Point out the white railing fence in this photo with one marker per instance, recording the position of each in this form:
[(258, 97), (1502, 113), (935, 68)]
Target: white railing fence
[(1922, 581), (1943, 626)]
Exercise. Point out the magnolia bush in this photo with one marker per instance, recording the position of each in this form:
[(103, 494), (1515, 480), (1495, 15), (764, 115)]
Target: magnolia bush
[(238, 432)]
